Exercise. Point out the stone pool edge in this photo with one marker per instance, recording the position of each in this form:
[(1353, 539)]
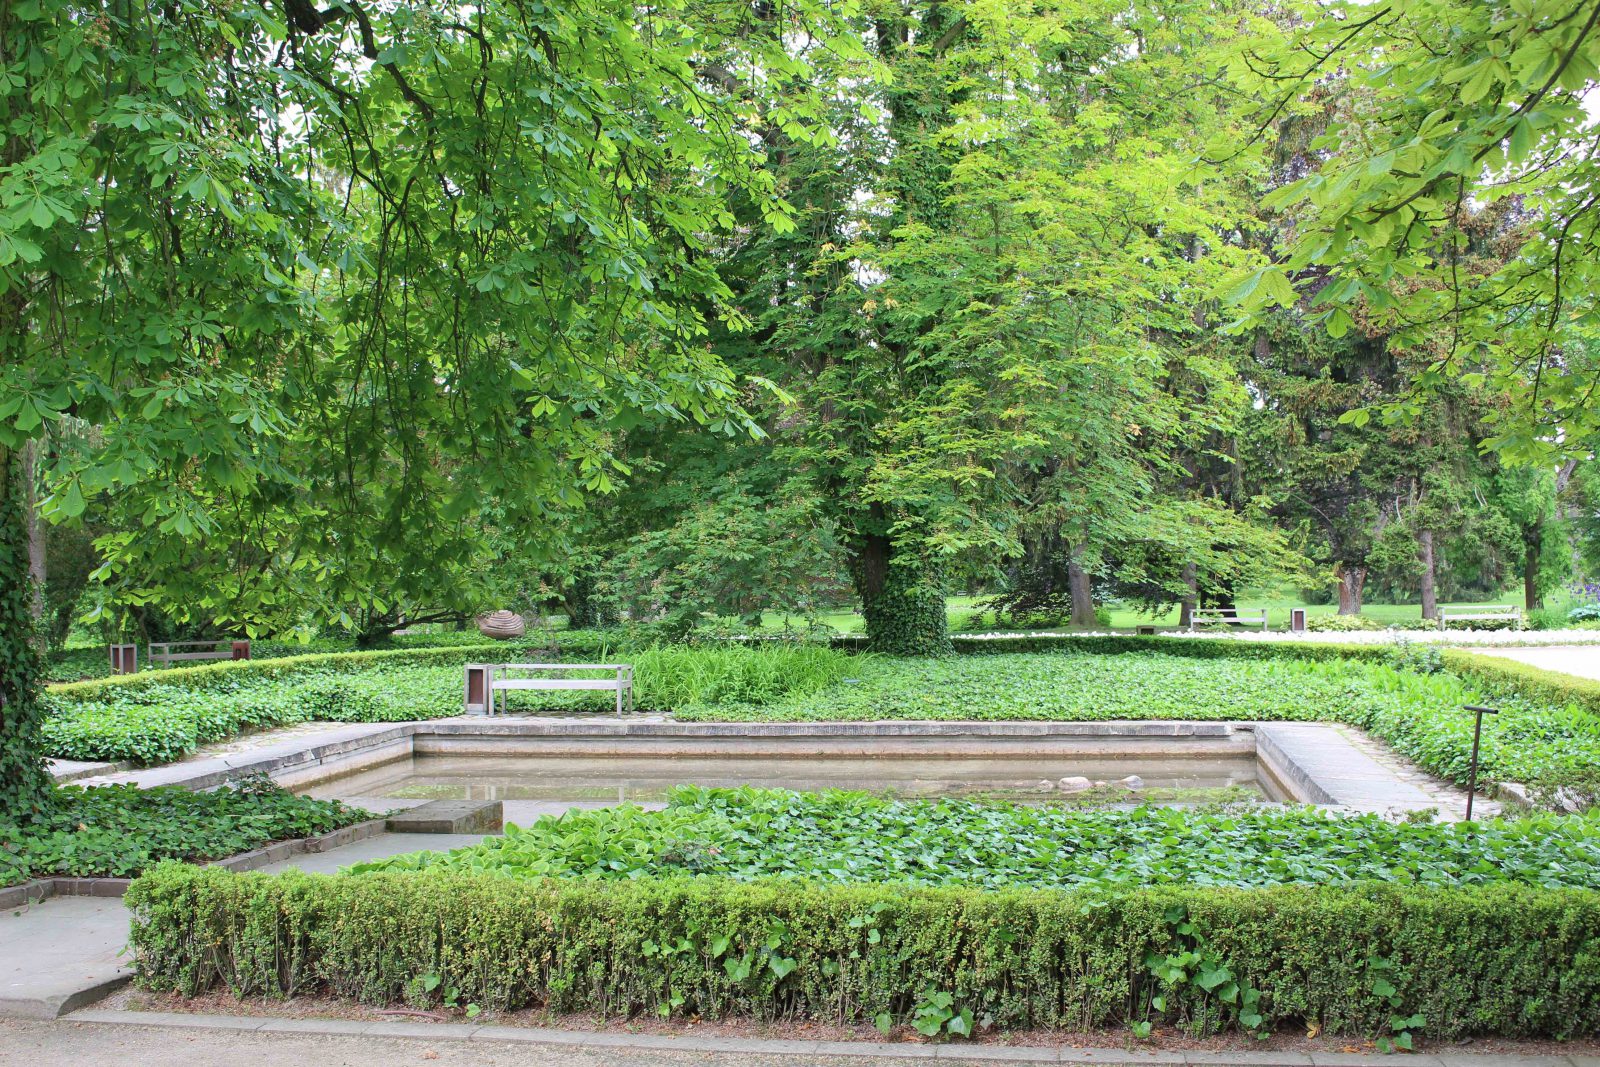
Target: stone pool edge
[(1311, 763)]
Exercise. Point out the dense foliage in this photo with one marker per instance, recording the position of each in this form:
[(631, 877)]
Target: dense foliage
[(1449, 125), (1369, 960), (1544, 735), (305, 302), (750, 834), (119, 831), (161, 716)]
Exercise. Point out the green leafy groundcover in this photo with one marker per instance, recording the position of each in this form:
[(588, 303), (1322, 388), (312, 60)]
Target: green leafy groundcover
[(1548, 734), (1369, 959), (118, 831), (750, 834), (1412, 704), (162, 716)]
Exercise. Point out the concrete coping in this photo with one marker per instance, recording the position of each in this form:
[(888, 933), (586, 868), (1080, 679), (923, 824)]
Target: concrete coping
[(492, 1034)]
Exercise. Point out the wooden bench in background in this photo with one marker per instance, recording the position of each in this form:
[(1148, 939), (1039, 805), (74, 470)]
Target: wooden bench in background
[(1209, 615), (1480, 613), (484, 680), (162, 651)]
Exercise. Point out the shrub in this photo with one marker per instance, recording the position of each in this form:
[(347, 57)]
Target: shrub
[(120, 830), (1341, 623), (1503, 960)]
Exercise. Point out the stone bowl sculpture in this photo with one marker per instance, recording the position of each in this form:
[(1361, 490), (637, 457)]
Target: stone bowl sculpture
[(501, 625)]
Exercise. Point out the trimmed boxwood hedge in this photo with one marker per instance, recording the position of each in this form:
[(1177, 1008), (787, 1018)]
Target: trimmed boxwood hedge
[(1510, 677), (1121, 644), (1504, 960)]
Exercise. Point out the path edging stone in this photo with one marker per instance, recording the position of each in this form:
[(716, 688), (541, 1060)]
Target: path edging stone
[(488, 1033)]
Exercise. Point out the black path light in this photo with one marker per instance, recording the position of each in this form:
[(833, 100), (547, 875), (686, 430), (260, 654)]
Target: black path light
[(1480, 711)]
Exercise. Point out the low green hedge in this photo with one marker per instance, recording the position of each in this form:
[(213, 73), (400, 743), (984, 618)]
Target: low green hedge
[(1121, 644), (1505, 960), (1510, 677), (162, 716), (226, 674)]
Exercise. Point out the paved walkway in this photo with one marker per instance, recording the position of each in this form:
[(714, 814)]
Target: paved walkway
[(61, 954), (1570, 659), (156, 1039), (65, 952)]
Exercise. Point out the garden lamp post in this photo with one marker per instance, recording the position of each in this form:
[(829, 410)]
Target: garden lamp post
[(1479, 711)]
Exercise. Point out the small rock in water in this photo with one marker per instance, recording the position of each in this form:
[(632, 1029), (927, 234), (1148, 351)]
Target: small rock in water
[(1045, 786), (1099, 785), (1133, 781), (1075, 784)]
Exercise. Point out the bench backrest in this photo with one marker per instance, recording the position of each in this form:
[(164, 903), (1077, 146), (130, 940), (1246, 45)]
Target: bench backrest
[(1200, 615), (161, 651), (1480, 612)]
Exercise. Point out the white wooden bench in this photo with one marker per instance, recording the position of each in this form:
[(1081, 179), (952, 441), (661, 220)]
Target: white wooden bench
[(1480, 613), (162, 651), (1210, 615), (501, 678)]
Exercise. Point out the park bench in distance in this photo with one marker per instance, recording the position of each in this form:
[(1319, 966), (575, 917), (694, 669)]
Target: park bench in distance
[(162, 651), (1480, 613), (1209, 615), (484, 680)]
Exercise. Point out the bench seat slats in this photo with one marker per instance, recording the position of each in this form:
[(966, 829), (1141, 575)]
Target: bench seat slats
[(555, 683)]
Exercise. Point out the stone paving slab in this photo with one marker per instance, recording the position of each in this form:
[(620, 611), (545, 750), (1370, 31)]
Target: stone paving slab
[(1326, 768), (379, 847), (449, 817), (61, 954)]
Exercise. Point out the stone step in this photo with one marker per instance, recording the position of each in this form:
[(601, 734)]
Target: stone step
[(448, 817)]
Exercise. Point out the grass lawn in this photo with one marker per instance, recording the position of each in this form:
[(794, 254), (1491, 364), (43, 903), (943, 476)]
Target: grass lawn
[(959, 609)]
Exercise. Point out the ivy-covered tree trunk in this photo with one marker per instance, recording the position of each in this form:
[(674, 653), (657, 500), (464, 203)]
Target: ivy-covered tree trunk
[(37, 567), (25, 786), (586, 609), (901, 600)]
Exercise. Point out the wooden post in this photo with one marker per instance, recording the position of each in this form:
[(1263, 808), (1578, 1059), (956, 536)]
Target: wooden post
[(1297, 620), (124, 659), (241, 650), (477, 689)]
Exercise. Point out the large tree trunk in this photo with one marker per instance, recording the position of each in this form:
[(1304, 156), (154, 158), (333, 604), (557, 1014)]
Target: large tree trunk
[(1532, 549), (1430, 574), (1081, 589), (900, 600), (25, 786), (1351, 579), (1191, 600)]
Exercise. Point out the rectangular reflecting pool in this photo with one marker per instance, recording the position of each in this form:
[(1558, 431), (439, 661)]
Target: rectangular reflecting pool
[(645, 779)]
